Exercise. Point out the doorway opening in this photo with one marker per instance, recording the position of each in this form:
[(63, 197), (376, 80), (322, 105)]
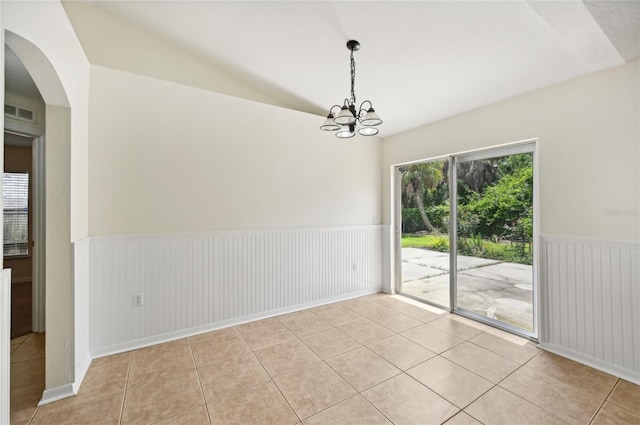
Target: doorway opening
[(17, 202), (467, 226)]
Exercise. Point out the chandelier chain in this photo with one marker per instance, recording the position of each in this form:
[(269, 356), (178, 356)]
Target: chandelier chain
[(353, 79)]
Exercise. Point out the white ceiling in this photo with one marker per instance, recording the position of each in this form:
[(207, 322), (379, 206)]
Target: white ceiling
[(420, 61)]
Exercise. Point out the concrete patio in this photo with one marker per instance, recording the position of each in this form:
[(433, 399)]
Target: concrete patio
[(492, 288)]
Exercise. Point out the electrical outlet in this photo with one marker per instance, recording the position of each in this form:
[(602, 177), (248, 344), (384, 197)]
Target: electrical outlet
[(138, 300), (355, 267)]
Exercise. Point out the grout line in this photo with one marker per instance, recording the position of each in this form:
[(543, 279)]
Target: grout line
[(271, 377), (126, 387), (604, 401), (195, 365)]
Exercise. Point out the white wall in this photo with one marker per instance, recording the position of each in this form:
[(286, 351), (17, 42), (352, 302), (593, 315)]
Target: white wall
[(588, 132), (219, 210), (589, 150), (168, 158)]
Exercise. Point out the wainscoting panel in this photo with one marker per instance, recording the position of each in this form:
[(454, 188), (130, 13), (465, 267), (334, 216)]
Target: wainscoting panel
[(590, 292), (188, 283)]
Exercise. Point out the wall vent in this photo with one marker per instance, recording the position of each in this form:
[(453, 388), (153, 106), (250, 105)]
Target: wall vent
[(19, 113)]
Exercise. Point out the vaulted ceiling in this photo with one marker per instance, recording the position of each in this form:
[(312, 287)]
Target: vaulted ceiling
[(420, 61)]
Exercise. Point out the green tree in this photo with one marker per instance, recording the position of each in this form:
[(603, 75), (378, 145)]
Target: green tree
[(505, 204), (416, 179), (478, 174)]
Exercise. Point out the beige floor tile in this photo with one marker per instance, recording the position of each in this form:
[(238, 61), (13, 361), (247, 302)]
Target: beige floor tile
[(314, 389), (107, 379), (627, 395), (591, 381), (286, 357), (394, 320), (365, 331), (420, 313), (103, 410), (401, 352), (159, 349), (455, 327), (336, 314), (432, 338), (32, 348), (330, 343), (561, 398), (14, 347), (20, 339), (116, 358), (510, 346), (262, 404), (610, 414), (27, 373), (25, 422), (219, 333), (162, 399), (499, 406), (462, 419), (263, 334), (405, 401), (475, 324), (24, 402), (230, 375), (302, 323), (455, 383), (160, 365), (198, 416), (217, 346), (165, 388), (364, 307), (480, 361), (353, 411), (362, 368)]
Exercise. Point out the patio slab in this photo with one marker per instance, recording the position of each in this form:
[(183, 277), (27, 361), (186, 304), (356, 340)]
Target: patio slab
[(412, 271), (494, 289), (440, 260), (435, 289), (508, 272)]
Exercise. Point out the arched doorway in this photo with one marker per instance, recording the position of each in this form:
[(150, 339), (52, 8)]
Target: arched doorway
[(60, 359)]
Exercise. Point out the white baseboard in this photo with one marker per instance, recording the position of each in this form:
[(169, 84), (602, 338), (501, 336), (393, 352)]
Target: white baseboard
[(82, 366), (612, 369), (58, 393)]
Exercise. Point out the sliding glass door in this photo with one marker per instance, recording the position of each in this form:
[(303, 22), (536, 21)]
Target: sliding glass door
[(482, 230), (425, 232), (494, 237)]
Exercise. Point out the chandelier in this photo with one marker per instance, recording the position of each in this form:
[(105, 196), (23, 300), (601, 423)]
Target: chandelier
[(346, 121)]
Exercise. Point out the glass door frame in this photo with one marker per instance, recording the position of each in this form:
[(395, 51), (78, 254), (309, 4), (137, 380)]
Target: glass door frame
[(525, 146)]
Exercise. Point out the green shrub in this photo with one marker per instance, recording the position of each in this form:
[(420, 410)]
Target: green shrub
[(411, 220)]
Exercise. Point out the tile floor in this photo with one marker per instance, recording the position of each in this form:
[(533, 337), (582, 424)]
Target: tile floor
[(372, 360)]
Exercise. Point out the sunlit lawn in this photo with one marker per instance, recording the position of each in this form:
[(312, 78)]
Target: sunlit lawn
[(483, 248)]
